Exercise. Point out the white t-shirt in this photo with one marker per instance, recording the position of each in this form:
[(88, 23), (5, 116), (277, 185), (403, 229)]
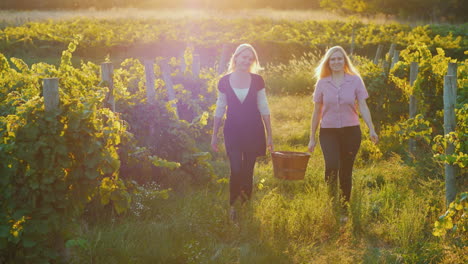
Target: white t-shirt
[(241, 94)]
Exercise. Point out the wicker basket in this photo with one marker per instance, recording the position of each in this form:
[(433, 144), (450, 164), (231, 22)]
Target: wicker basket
[(289, 165)]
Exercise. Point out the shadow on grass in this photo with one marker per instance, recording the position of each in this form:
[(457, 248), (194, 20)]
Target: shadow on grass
[(191, 227)]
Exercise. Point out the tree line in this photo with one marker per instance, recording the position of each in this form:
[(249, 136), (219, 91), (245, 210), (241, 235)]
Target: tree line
[(434, 10)]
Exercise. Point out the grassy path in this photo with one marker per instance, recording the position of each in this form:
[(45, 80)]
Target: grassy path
[(390, 218)]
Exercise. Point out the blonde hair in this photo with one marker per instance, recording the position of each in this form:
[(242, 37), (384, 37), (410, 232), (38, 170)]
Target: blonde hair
[(254, 68), (323, 70)]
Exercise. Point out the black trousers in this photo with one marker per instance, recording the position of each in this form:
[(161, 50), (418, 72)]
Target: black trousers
[(339, 147), (242, 168)]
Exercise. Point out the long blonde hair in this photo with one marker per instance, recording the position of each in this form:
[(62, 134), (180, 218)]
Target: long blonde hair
[(323, 70), (254, 68)]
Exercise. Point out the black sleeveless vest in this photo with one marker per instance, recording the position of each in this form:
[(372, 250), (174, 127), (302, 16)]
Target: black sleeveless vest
[(243, 129)]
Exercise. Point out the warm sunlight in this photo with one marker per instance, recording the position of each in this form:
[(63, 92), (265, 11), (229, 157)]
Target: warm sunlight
[(220, 131)]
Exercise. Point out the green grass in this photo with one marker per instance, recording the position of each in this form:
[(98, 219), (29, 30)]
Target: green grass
[(390, 218)]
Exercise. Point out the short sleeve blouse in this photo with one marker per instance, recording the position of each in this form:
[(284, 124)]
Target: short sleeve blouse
[(340, 102)]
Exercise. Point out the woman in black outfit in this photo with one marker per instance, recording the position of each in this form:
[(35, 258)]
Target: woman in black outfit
[(243, 92)]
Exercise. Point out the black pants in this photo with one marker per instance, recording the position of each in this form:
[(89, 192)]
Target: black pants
[(339, 147), (242, 168)]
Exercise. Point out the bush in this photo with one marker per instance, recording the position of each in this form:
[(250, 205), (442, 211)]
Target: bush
[(293, 78)]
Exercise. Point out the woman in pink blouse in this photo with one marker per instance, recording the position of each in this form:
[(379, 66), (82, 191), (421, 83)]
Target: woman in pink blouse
[(337, 90), (242, 91)]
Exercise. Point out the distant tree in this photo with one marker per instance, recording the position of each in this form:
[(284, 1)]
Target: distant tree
[(363, 7), (435, 10)]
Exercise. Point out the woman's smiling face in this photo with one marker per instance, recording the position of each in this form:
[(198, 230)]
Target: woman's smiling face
[(336, 61), (244, 60)]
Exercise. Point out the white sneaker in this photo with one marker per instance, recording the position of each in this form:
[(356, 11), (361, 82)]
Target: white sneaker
[(233, 215)]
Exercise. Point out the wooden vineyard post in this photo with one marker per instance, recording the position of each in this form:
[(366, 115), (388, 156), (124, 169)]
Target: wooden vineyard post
[(182, 65), (449, 126), (414, 68), (396, 57), (166, 74), (450, 97), (224, 60), (378, 53), (388, 60), (391, 51), (150, 92), (107, 73), (196, 66), (149, 74), (51, 94), (452, 69)]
